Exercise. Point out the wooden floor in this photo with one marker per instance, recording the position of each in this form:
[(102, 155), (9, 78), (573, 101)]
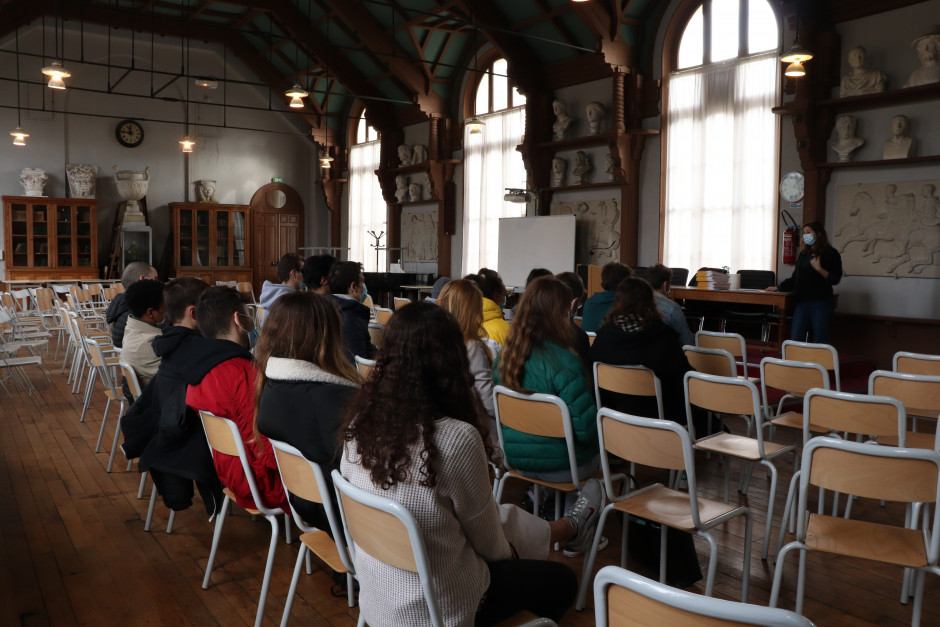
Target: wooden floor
[(73, 549)]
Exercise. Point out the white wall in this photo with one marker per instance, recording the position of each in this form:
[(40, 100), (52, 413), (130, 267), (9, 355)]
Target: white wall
[(265, 144)]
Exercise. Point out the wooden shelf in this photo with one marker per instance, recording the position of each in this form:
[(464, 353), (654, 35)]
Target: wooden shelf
[(411, 203), (572, 143), (879, 162), (562, 188), (869, 101), (424, 166)]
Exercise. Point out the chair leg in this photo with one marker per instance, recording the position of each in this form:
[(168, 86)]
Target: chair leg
[(788, 515), (350, 590), (104, 421), (586, 573), (268, 568), (216, 535), (918, 597), (309, 564), (746, 567), (153, 500), (287, 538), (117, 433), (712, 562), (499, 487), (143, 480), (89, 389), (801, 583), (289, 601), (778, 572), (772, 471), (170, 520)]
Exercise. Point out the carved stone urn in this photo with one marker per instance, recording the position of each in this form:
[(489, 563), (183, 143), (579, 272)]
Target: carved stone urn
[(132, 186)]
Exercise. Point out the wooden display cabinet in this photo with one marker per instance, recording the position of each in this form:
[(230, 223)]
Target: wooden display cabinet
[(211, 242), (51, 238)]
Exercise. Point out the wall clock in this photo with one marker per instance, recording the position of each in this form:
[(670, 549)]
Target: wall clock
[(129, 133), (791, 186)]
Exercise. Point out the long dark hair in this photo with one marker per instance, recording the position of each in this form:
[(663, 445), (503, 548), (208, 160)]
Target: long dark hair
[(822, 240), (421, 375), (634, 297), (542, 316)]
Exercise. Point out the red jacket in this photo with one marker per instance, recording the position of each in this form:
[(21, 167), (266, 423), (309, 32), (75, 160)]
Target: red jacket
[(228, 390)]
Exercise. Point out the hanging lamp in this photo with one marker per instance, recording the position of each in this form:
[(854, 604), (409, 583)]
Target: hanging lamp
[(19, 135), (796, 56), (296, 95), (56, 72)]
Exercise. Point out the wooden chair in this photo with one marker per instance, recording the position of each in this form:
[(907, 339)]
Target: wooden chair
[(382, 315), (917, 363), (731, 342), (823, 354), (543, 415), (305, 479), (133, 385), (796, 378), (735, 396), (592, 335), (862, 415), (51, 318), (716, 361), (367, 301), (247, 289), (223, 437), (377, 334), (104, 365), (630, 380), (400, 302), (365, 367), (622, 597), (879, 472), (920, 395), (660, 444), (388, 532)]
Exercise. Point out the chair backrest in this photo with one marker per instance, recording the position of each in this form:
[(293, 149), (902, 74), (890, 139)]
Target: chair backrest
[(246, 288), (98, 359), (632, 380), (305, 479), (854, 413), (110, 293), (679, 276), (388, 532), (119, 287), (716, 361), (383, 315), (823, 354), (377, 334), (130, 375), (727, 395), (61, 289), (917, 363), (543, 415), (400, 302), (796, 378), (232, 284), (919, 393), (592, 335), (223, 437), (622, 597), (367, 301), (757, 279), (365, 366), (731, 342)]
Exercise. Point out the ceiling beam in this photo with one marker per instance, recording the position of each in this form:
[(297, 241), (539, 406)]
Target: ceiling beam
[(605, 25)]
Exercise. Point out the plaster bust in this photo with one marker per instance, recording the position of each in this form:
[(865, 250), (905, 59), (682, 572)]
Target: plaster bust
[(900, 145), (582, 166), (401, 187), (846, 142), (595, 115), (206, 188), (82, 179), (928, 51), (33, 181), (609, 166), (414, 192), (861, 80), (562, 119), (558, 171), (420, 154), (404, 155)]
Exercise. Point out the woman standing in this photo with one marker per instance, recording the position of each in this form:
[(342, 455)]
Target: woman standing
[(305, 383), (818, 268), (415, 433)]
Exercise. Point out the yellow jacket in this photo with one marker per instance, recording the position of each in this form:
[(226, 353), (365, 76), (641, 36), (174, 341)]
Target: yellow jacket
[(493, 322)]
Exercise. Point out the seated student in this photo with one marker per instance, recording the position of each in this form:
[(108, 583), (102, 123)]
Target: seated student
[(464, 300), (159, 427), (415, 433), (347, 286), (579, 337), (660, 277), (597, 306), (304, 384), (494, 297), (222, 380), (538, 357), (634, 334), (117, 312), (315, 273), (145, 301), (290, 277)]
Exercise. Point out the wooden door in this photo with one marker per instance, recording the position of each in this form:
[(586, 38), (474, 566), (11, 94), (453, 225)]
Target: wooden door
[(267, 248), (276, 229)]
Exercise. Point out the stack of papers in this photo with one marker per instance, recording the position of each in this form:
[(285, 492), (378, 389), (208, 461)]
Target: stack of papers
[(711, 280)]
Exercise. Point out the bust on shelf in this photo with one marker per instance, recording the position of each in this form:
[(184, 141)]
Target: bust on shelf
[(559, 166), (928, 51), (414, 192), (582, 168), (562, 119), (206, 189), (401, 187), (846, 142), (861, 80), (404, 155), (595, 115), (900, 145)]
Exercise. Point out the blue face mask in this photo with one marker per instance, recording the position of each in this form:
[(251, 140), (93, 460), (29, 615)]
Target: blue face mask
[(809, 239), (365, 292), (303, 287), (252, 339)]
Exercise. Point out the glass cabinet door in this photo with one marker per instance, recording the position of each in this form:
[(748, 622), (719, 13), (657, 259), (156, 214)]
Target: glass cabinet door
[(186, 237), (40, 236), (19, 232), (64, 245), (222, 238), (238, 239), (202, 239), (83, 228)]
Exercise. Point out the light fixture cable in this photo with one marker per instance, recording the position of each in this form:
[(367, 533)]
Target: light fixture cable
[(474, 125), (19, 135), (796, 56)]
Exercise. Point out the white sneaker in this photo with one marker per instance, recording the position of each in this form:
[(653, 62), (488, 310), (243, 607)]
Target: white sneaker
[(584, 515)]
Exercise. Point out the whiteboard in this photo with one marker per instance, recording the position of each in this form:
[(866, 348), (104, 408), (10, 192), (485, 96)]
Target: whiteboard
[(537, 242)]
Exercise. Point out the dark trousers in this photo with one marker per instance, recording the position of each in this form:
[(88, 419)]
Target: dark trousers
[(547, 589), (813, 317), (177, 492)]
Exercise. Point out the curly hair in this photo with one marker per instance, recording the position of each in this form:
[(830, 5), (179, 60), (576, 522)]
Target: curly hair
[(421, 375), (634, 297), (542, 316)]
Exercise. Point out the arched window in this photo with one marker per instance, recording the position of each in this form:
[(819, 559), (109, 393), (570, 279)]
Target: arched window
[(491, 164), (722, 138), (367, 208)]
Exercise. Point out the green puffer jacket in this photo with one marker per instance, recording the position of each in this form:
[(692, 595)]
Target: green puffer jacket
[(552, 369)]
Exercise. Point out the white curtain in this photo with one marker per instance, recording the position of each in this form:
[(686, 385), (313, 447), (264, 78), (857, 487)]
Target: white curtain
[(367, 208), (491, 164), (721, 165)]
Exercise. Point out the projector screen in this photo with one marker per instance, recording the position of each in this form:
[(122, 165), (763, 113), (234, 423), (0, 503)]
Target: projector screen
[(537, 242)]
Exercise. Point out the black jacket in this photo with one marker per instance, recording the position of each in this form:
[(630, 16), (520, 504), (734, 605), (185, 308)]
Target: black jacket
[(159, 427), (807, 284), (116, 315), (356, 338), (656, 347)]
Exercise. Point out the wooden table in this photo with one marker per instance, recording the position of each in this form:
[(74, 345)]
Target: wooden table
[(781, 301)]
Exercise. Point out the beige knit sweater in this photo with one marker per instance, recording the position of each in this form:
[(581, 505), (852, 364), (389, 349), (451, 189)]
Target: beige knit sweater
[(461, 529)]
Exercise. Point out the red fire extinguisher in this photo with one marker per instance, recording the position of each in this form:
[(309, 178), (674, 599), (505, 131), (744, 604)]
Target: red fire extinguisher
[(791, 237)]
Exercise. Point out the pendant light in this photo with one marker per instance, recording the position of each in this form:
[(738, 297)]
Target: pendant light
[(475, 125), (55, 70), (187, 143), (19, 135), (325, 159), (796, 56), (296, 95)]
